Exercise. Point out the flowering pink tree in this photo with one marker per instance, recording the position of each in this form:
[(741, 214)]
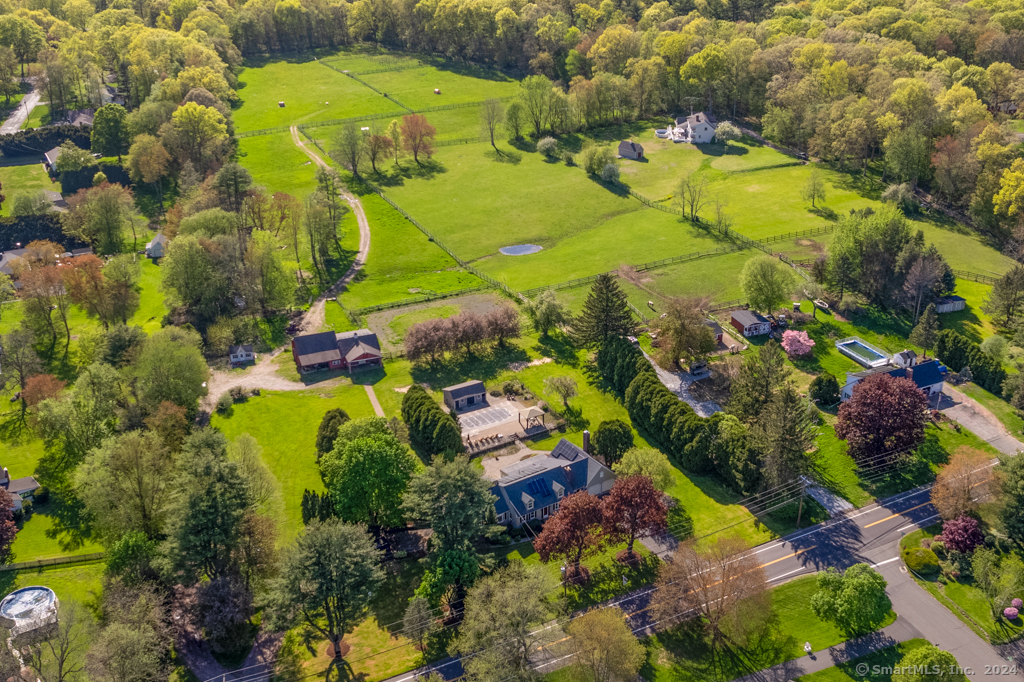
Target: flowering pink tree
[(962, 534), (796, 343)]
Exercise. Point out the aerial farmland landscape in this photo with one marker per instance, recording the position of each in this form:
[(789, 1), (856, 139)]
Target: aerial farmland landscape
[(390, 341)]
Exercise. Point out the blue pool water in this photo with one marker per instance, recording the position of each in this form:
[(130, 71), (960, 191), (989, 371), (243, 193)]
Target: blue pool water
[(520, 249)]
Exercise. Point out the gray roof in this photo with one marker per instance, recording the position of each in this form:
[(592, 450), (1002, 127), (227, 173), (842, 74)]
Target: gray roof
[(313, 349), (51, 156), (464, 389), (244, 348), (748, 317), (353, 344), (56, 199), (630, 146), (7, 258), (715, 327), (908, 354), (702, 117), (19, 486), (159, 239)]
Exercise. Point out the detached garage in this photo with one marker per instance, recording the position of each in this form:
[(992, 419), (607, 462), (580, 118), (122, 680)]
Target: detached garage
[(465, 395)]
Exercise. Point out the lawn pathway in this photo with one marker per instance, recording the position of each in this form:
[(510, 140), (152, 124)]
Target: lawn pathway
[(314, 317), (373, 400)]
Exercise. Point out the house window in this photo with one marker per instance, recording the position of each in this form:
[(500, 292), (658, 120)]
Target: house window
[(529, 504), (532, 516)]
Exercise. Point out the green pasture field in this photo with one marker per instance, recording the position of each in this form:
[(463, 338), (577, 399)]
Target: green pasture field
[(402, 262), (887, 658), (310, 90), (415, 87), (360, 61), (152, 308), (23, 175), (680, 655), (276, 163), (285, 425)]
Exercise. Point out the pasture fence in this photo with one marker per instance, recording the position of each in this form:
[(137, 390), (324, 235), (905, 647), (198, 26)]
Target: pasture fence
[(55, 561), (437, 296), (638, 313), (263, 131), (728, 305), (975, 276)]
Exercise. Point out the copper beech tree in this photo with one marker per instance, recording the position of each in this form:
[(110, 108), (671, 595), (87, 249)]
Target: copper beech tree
[(418, 136), (634, 509), (962, 483), (574, 533), (884, 418)]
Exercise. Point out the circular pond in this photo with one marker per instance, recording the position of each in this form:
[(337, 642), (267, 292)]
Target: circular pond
[(520, 249)]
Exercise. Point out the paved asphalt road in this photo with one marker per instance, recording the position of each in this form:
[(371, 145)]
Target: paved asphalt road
[(870, 535), (20, 114)]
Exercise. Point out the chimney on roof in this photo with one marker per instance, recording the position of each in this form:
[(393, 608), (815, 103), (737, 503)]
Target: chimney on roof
[(586, 441)]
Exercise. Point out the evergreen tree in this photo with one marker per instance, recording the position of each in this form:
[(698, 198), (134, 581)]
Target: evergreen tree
[(1012, 480), (605, 313), (926, 330), (328, 430), (760, 377), (785, 432), (1007, 296), (453, 499)]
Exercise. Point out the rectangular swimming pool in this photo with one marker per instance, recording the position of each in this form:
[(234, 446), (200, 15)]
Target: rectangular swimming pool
[(862, 352)]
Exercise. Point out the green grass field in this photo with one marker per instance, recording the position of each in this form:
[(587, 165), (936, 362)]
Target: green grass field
[(79, 583), (276, 163), (679, 655), (285, 425), (23, 175), (311, 92), (152, 309), (876, 663), (999, 407), (44, 535), (415, 87)]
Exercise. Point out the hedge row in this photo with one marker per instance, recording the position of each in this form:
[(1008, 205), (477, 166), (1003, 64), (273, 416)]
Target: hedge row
[(717, 444), (25, 229), (41, 140), (957, 351), (72, 181), (431, 430)]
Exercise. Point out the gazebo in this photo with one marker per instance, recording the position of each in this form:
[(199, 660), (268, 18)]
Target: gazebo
[(534, 417)]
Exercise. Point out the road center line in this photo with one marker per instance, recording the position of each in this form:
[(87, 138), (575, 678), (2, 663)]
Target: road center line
[(897, 514)]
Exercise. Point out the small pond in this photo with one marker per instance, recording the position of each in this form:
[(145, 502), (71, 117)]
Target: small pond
[(520, 249)]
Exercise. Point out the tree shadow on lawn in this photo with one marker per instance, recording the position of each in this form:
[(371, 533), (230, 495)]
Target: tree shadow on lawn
[(695, 658), (396, 176), (825, 213), (499, 156), (466, 69), (390, 601), (913, 473), (606, 581), (964, 322), (71, 528), (559, 348), (455, 369)]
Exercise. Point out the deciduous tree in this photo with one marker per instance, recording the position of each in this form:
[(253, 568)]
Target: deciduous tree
[(924, 334), (884, 418), (573, 533), (110, 131), (418, 136), (649, 463), (634, 509), (854, 601), (605, 648), (766, 282), (814, 188), (612, 439), (453, 499), (962, 483), (492, 115)]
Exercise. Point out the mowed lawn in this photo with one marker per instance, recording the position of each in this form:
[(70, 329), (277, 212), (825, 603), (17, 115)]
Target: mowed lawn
[(402, 263), (879, 661), (415, 87), (310, 91), (23, 175), (276, 163), (79, 584), (152, 308), (285, 425), (676, 656)]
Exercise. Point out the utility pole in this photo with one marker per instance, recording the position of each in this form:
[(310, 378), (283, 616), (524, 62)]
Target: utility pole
[(800, 509)]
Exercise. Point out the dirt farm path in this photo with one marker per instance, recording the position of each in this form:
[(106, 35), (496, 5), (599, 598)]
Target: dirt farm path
[(263, 375)]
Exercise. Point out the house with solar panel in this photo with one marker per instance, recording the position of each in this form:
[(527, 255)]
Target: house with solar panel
[(533, 488)]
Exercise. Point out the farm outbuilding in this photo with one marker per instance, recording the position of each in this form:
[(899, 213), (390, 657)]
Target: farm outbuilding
[(950, 304), (631, 150), (466, 394), (749, 323)]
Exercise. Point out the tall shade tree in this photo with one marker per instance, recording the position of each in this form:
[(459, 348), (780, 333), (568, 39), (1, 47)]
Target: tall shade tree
[(884, 419), (814, 188), (854, 601), (262, 489), (171, 368), (349, 147), (785, 432), (267, 281), (453, 499), (760, 378), (205, 514), (125, 486), (327, 580), (605, 648), (685, 335), (99, 216), (149, 162), (18, 361), (919, 664), (563, 386), (962, 483), (498, 632), (327, 432), (766, 282), (721, 583), (418, 136), (199, 132), (647, 462), (78, 420), (367, 473), (1006, 299), (546, 312), (573, 533), (492, 115), (926, 332), (634, 509), (110, 131), (605, 313)]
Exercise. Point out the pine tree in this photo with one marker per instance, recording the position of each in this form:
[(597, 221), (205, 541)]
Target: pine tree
[(926, 330), (759, 379), (785, 432), (605, 313)]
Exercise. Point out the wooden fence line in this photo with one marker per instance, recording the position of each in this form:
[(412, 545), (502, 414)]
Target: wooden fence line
[(56, 561)]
